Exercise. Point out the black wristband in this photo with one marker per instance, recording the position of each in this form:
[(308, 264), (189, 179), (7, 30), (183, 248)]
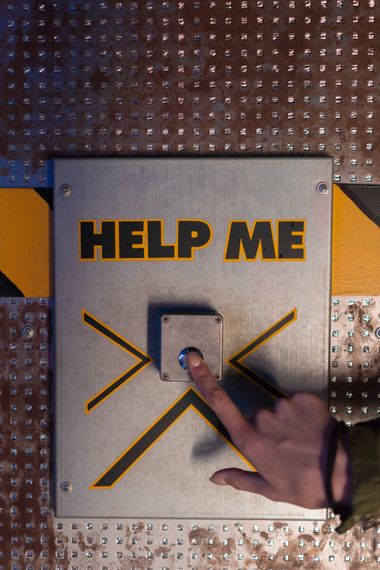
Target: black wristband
[(336, 435)]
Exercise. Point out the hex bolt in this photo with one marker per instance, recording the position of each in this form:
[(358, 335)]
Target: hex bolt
[(65, 190), (66, 487), (377, 332), (165, 319), (323, 188), (218, 319), (28, 332), (165, 376)]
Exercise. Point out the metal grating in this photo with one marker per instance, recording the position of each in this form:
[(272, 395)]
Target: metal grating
[(32, 539), (105, 77), (355, 359)]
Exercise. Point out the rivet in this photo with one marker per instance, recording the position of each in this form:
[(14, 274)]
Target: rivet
[(66, 487), (28, 331), (65, 190), (323, 188)]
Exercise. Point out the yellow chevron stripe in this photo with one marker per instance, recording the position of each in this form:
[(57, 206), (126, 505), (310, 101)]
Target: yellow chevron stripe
[(25, 237), (355, 249)]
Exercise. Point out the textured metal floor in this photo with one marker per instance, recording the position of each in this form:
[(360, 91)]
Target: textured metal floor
[(112, 78), (104, 77), (31, 538)]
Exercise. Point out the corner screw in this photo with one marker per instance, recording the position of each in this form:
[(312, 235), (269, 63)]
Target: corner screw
[(28, 332), (377, 332), (65, 190), (323, 188), (165, 376), (165, 319), (66, 487), (217, 376), (218, 320)]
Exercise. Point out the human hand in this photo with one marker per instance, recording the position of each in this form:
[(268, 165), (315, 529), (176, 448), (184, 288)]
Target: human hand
[(288, 446)]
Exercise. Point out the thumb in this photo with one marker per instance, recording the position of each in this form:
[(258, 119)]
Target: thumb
[(242, 480)]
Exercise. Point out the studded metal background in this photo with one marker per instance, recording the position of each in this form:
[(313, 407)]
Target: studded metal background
[(106, 77), (32, 539)]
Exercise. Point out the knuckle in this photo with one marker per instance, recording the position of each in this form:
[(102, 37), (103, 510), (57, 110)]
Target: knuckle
[(262, 417), (301, 397), (216, 397), (283, 405), (307, 399), (263, 414)]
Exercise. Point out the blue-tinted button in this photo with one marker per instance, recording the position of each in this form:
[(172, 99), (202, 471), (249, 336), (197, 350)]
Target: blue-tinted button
[(182, 355)]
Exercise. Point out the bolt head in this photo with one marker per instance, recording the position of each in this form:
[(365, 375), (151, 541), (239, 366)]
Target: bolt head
[(323, 188), (66, 487), (28, 332), (65, 190)]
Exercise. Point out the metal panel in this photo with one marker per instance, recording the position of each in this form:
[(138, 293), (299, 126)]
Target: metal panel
[(180, 334), (32, 539), (285, 300)]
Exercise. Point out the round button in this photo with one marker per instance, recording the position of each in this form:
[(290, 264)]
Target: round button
[(184, 352)]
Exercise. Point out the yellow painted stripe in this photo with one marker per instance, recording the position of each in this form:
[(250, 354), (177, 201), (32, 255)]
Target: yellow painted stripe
[(25, 238), (355, 249)]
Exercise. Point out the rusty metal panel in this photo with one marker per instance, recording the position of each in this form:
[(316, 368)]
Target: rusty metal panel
[(31, 538), (355, 358), (104, 77)]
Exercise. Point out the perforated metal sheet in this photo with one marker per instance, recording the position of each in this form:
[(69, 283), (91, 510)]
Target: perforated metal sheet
[(105, 77), (32, 539)]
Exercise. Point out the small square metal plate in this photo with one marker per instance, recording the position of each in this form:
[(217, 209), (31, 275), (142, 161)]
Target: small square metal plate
[(178, 332)]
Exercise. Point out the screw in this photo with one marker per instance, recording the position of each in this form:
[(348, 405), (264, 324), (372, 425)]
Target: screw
[(218, 320), (377, 332), (66, 487), (28, 332), (65, 190), (165, 376), (165, 319), (217, 376), (323, 188)]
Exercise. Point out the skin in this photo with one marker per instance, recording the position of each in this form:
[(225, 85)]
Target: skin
[(287, 446)]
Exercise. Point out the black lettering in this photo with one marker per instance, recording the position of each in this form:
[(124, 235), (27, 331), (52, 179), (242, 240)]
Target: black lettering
[(128, 239), (239, 237), (89, 239), (191, 234), (287, 239), (156, 249)]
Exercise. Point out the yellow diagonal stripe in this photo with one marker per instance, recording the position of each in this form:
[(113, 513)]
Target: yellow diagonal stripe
[(25, 236), (355, 249)]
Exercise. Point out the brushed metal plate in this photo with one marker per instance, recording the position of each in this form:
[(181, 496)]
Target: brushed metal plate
[(106, 329)]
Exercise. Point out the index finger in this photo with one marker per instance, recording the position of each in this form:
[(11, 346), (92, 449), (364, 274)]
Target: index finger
[(239, 428)]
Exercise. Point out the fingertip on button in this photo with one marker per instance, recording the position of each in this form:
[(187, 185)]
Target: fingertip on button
[(190, 353)]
